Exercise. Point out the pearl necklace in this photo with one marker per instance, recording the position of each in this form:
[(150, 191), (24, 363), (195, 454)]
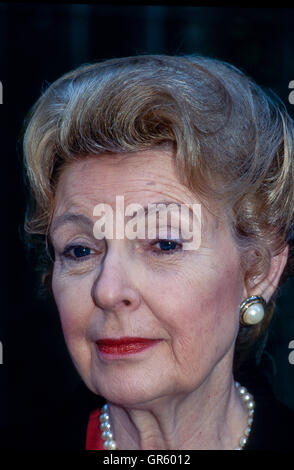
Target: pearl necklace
[(248, 401), (247, 398)]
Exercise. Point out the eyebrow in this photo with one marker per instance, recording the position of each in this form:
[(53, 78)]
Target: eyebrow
[(83, 220), (71, 218)]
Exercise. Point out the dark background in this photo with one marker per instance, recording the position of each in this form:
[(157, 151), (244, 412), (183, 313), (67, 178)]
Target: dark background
[(39, 43)]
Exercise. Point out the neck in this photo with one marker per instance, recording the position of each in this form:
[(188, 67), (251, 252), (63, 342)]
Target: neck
[(210, 417)]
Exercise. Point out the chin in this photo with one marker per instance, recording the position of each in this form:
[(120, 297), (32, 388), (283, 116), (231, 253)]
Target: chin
[(132, 392)]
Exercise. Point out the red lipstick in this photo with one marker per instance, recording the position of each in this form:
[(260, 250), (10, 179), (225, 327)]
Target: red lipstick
[(124, 346)]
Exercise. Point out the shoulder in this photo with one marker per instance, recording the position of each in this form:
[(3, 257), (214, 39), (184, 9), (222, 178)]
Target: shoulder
[(273, 425), (82, 410), (62, 423)]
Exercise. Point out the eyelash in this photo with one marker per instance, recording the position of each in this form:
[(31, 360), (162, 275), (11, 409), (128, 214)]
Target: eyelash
[(67, 251), (166, 252), (70, 257)]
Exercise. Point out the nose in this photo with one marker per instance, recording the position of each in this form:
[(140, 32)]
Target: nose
[(113, 289)]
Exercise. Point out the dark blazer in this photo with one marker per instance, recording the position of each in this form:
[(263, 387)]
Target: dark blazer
[(273, 424)]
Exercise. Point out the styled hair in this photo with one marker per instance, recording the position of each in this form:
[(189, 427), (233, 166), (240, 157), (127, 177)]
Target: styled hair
[(233, 144)]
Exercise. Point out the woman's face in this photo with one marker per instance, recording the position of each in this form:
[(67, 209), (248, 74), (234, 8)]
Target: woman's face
[(188, 300)]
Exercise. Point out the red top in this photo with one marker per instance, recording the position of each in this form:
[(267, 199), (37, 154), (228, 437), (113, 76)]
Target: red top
[(94, 439)]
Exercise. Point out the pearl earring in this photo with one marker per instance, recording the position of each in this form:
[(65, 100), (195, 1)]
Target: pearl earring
[(252, 310)]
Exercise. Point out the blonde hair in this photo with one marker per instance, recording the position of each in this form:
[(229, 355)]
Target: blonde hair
[(233, 143)]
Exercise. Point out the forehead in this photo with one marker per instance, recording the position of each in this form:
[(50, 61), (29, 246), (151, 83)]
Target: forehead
[(140, 175)]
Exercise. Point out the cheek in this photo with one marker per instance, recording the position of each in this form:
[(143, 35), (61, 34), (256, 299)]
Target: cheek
[(74, 304), (73, 300), (200, 313)]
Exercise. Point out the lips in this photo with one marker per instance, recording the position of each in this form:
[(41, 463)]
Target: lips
[(124, 346)]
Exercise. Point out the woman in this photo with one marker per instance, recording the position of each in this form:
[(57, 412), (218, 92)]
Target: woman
[(153, 326)]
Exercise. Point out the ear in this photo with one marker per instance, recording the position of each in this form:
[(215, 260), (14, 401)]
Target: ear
[(268, 285)]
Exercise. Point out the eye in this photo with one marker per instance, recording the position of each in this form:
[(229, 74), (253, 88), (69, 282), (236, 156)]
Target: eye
[(81, 251), (167, 246), (76, 252)]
